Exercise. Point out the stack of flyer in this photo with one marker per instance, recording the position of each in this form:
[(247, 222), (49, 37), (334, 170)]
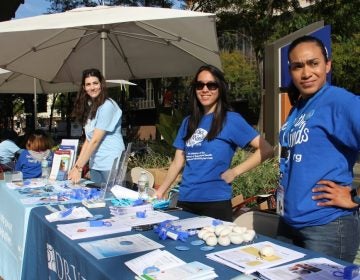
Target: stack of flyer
[(131, 209), (64, 159), (162, 265), (316, 268), (248, 259)]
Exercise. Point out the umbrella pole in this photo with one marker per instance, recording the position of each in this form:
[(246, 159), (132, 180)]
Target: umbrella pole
[(35, 105), (103, 38)]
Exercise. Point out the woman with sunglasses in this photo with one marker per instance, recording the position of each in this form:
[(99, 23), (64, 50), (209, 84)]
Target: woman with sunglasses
[(101, 117), (205, 145)]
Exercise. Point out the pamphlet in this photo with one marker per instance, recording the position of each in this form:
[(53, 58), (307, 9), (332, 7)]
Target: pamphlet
[(85, 230), (72, 143), (311, 269), (161, 259), (121, 245), (196, 222), (248, 259), (70, 148), (60, 166), (162, 265)]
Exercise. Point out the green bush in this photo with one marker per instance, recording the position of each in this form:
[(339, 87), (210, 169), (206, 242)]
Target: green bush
[(154, 155), (260, 180)]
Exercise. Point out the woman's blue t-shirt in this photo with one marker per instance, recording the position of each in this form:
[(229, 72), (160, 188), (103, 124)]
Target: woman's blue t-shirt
[(207, 160)]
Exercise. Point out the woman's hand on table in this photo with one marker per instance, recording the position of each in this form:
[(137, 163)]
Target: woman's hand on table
[(74, 175), (160, 194)]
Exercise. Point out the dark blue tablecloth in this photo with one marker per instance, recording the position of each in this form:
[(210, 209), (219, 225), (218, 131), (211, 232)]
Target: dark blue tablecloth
[(51, 255)]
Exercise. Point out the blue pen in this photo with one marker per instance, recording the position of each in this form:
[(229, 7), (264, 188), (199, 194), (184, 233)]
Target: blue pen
[(66, 212)]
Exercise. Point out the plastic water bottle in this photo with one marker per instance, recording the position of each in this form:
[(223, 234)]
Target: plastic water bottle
[(45, 169), (143, 184)]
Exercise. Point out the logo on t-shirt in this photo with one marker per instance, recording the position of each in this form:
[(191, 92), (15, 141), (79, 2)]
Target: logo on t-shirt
[(198, 136)]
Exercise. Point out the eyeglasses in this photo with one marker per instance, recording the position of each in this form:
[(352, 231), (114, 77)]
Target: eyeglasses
[(209, 85)]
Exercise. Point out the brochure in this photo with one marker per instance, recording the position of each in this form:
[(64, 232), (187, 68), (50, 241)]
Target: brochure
[(159, 259), (162, 265), (196, 222), (73, 143), (248, 259), (311, 269), (121, 245), (86, 229), (61, 165), (70, 148)]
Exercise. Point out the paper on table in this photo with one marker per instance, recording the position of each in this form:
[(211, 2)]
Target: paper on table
[(160, 259), (311, 269), (196, 222), (247, 259), (122, 245), (151, 217), (188, 271), (121, 192), (76, 213), (83, 229)]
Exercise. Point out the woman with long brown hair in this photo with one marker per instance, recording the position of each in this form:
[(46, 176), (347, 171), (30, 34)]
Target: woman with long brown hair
[(101, 118)]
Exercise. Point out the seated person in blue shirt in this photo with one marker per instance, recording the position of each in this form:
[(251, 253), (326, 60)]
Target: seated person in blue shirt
[(38, 147), (8, 149)]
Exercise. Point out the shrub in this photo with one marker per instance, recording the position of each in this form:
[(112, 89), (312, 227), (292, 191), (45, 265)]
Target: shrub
[(150, 155), (260, 180)]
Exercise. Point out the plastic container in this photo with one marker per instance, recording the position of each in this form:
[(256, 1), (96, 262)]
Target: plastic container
[(143, 184), (45, 172)]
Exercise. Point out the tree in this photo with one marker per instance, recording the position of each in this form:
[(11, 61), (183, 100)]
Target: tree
[(242, 78), (344, 18)]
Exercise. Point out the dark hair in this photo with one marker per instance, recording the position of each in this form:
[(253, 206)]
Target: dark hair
[(293, 92), (197, 110), (38, 141), (85, 107), (8, 134)]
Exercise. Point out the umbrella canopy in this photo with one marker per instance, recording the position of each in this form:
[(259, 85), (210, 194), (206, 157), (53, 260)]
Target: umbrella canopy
[(125, 42), (11, 82)]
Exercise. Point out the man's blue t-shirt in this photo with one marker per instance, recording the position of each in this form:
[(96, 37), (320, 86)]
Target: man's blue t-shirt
[(323, 137), (207, 160)]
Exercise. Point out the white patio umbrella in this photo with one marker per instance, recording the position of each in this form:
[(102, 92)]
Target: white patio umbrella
[(125, 42), (11, 82), (120, 82)]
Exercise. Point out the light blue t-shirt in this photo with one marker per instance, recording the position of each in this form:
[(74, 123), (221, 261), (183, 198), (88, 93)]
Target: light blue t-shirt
[(7, 151), (207, 160), (108, 118), (323, 137)]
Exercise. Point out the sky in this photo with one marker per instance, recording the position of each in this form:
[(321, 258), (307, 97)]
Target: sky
[(32, 8)]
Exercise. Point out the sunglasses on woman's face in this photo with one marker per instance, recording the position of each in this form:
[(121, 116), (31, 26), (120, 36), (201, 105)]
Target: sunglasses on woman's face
[(209, 85)]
